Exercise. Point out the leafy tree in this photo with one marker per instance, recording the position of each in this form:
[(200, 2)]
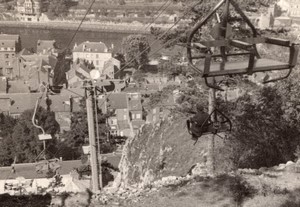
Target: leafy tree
[(25, 136), (57, 8), (61, 67), (136, 49), (7, 125), (261, 135), (121, 2)]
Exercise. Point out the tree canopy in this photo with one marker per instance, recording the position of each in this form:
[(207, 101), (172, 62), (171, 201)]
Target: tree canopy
[(57, 8), (20, 138), (136, 49)]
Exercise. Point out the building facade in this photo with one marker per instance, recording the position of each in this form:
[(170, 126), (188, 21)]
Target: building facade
[(10, 45), (29, 10), (96, 53)]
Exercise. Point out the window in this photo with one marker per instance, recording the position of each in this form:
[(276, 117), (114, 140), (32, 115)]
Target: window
[(1, 71), (138, 116), (125, 117), (6, 55), (133, 116), (8, 70), (97, 62), (7, 63), (97, 55)]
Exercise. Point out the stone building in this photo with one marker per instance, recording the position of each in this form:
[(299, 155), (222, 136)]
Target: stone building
[(10, 45), (29, 10)]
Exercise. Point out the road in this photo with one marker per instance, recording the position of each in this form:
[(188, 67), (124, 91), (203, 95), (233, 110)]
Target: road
[(27, 170)]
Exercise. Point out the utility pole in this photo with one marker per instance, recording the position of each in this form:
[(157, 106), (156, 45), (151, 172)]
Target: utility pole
[(93, 150), (211, 144), (98, 139)]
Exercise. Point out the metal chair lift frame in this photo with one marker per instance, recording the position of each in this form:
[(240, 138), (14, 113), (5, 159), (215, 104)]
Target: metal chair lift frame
[(255, 63), (214, 127)]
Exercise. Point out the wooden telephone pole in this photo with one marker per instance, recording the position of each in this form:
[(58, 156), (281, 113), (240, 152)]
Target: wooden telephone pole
[(93, 150), (211, 144)]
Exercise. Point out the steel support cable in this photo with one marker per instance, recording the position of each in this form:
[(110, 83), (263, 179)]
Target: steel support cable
[(155, 41), (159, 13), (81, 22)]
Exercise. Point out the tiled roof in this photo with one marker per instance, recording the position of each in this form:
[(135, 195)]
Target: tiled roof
[(123, 125), (24, 101), (24, 52), (9, 37), (46, 45), (18, 86), (93, 47), (21, 101), (136, 124), (60, 103), (7, 43), (135, 105), (75, 92), (117, 101)]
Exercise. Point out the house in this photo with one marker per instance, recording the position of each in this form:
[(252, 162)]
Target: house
[(62, 105), (135, 111), (3, 85), (15, 104), (110, 68), (46, 47), (36, 70), (17, 86), (78, 72), (292, 7), (29, 10), (117, 103), (127, 112), (10, 45), (95, 53)]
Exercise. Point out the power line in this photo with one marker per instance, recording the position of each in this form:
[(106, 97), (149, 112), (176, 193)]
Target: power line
[(159, 12), (81, 22), (155, 41)]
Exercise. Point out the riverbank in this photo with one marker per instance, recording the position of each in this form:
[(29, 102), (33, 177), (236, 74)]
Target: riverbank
[(86, 26)]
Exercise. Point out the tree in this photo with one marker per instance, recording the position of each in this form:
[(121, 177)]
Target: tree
[(261, 136), (7, 125), (25, 136), (121, 2), (57, 8), (136, 49), (61, 67)]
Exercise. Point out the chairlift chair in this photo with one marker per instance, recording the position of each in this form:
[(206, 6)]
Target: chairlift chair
[(215, 123), (246, 48)]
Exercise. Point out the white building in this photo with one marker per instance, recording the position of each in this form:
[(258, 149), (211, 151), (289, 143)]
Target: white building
[(95, 53)]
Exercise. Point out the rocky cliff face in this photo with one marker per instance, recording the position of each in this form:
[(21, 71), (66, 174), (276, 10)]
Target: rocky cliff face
[(161, 150)]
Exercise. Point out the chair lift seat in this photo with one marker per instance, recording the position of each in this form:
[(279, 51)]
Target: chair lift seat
[(197, 132), (241, 67)]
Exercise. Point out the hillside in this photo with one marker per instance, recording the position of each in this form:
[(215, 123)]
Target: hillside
[(157, 170), (165, 149)]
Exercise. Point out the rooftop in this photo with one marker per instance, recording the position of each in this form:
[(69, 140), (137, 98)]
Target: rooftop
[(9, 37), (45, 46), (92, 47), (117, 100)]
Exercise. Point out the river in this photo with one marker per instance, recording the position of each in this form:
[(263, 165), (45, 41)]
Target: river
[(30, 36)]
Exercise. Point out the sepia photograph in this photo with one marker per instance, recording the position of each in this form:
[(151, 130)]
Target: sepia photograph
[(149, 103)]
